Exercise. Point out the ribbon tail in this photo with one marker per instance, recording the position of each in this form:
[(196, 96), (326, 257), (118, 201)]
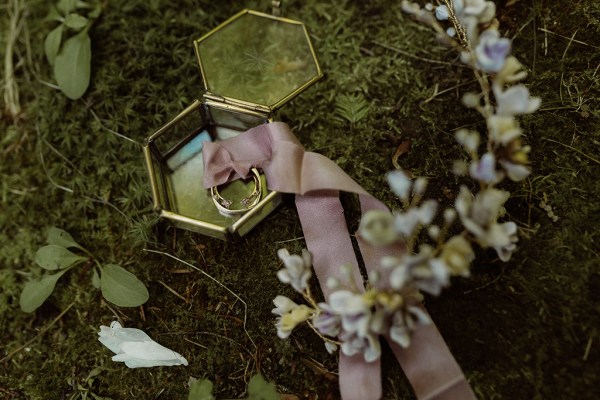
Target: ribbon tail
[(359, 380), (430, 367), (327, 238)]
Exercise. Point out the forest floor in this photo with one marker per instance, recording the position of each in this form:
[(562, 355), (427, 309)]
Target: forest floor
[(526, 329)]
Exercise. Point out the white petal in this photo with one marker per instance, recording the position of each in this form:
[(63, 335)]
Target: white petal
[(283, 305), (399, 183), (136, 348), (331, 347)]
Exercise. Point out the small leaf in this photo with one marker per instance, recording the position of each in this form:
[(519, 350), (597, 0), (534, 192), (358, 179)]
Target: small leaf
[(62, 238), (351, 107), (72, 65), (95, 13), (76, 21), (53, 15), (53, 257), (36, 292), (201, 390), (259, 389), (121, 287), (52, 43), (96, 279), (66, 6)]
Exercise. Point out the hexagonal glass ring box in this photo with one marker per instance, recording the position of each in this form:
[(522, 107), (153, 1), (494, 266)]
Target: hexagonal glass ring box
[(251, 65)]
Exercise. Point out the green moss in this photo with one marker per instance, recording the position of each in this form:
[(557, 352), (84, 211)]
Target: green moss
[(525, 329)]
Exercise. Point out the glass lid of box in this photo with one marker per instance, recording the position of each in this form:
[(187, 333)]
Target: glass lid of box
[(256, 58)]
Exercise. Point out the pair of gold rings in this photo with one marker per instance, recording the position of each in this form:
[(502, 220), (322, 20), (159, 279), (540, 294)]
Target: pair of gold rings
[(225, 206)]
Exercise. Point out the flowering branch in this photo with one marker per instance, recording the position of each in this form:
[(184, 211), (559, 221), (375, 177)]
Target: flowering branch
[(390, 304)]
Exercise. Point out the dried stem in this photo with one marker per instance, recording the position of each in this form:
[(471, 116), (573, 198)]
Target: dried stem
[(460, 30), (12, 106)]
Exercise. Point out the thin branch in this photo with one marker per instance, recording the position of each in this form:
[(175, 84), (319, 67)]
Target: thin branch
[(568, 38), (574, 149), (44, 330), (214, 280), (113, 132)]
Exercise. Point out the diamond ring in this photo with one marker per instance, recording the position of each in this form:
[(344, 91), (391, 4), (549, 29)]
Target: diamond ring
[(247, 203)]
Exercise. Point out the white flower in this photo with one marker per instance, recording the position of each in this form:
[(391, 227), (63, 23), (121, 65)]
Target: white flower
[(458, 255), (471, 100), (504, 247), (368, 345), (481, 10), (515, 172), (442, 13), (503, 130), (469, 7), (515, 100), (471, 13), (136, 348), (377, 228), (353, 310), (420, 270), (505, 136), (331, 347), (484, 170), (400, 184), (449, 216), (283, 305), (420, 186), (468, 139), (511, 72), (297, 270), (491, 51), (479, 216), (405, 322), (405, 223), (288, 321), (327, 321), (477, 213)]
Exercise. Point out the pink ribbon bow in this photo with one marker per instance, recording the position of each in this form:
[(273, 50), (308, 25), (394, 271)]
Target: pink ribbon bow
[(316, 181)]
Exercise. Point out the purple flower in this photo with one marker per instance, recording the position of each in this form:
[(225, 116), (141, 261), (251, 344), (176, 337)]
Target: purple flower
[(491, 51), (327, 322)]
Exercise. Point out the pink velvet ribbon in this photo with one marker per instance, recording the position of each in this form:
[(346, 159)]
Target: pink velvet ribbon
[(316, 181)]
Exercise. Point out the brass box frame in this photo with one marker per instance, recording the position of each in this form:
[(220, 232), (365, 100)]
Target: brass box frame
[(156, 160)]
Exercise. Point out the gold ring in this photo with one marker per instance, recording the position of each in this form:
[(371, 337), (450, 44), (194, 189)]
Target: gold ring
[(224, 205)]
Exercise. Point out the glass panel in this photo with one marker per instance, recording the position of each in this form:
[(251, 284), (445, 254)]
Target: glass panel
[(257, 59), (235, 120), (187, 196)]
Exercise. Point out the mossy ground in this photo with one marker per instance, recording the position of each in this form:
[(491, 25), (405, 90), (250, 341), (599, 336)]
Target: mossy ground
[(527, 329)]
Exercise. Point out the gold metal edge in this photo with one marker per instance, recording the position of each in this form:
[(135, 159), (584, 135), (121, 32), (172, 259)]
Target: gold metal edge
[(266, 200), (224, 103), (152, 174), (192, 107), (256, 106), (206, 225), (208, 34)]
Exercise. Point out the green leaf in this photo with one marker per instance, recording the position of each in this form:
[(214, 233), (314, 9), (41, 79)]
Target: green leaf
[(36, 292), (52, 43), (53, 257), (259, 389), (66, 6), (53, 15), (96, 279), (72, 65), (121, 287), (76, 21), (201, 390), (95, 13), (62, 238), (351, 107)]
